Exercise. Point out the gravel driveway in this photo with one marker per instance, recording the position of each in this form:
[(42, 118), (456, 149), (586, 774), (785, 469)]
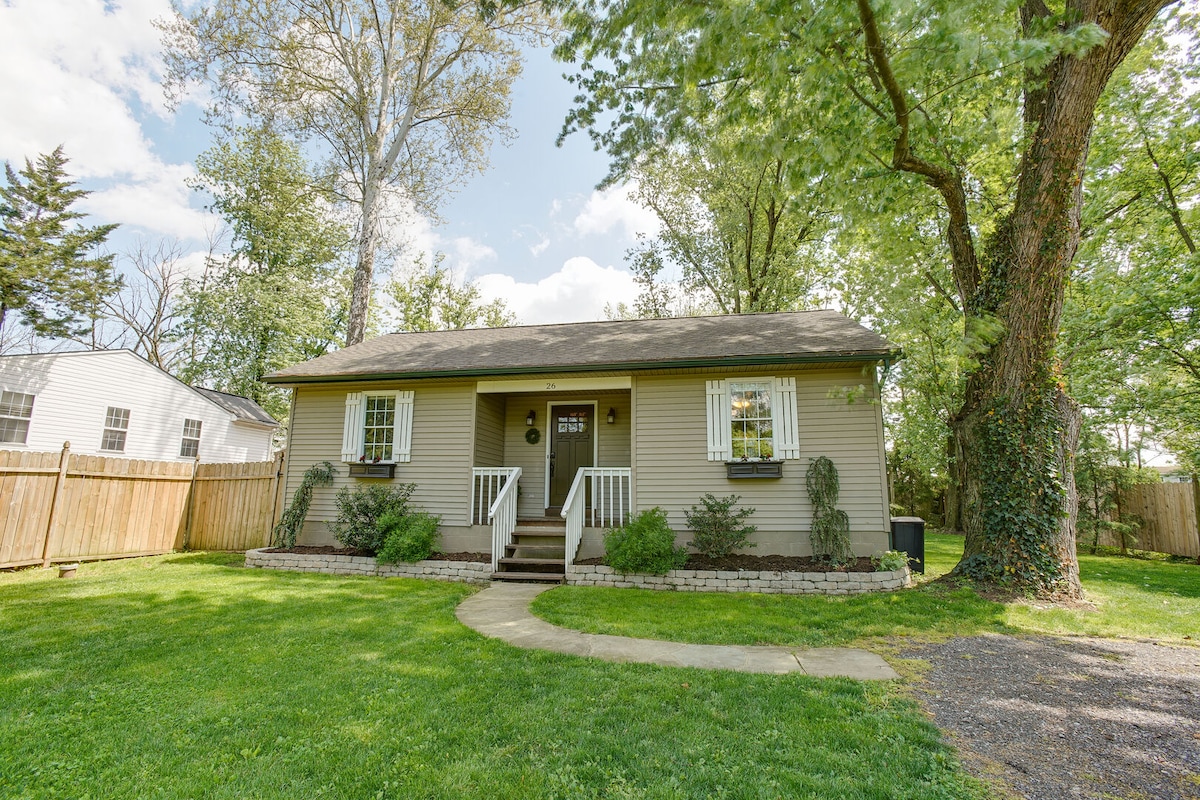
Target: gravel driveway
[(1062, 718)]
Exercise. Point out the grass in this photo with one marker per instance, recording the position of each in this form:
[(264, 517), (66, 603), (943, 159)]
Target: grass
[(1141, 598), (188, 676)]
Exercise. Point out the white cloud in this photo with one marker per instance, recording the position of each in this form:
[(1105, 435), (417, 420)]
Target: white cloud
[(578, 292), (158, 203), (615, 207), (79, 74), (464, 254), (539, 248)]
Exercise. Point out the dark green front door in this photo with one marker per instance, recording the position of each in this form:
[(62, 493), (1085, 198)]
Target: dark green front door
[(571, 432)]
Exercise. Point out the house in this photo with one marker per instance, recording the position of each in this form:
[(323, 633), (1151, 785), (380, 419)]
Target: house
[(590, 421), (115, 403)]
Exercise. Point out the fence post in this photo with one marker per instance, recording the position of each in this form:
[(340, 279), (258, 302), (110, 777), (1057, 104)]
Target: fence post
[(56, 501), (276, 488), (191, 507), (1196, 509)]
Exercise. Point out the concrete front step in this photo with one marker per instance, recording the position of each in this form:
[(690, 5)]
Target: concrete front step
[(529, 577), (536, 550), (523, 561)]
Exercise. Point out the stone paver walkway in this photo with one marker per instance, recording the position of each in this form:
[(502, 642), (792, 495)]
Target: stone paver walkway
[(502, 612)]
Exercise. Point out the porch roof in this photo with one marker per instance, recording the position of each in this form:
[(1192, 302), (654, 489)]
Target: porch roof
[(744, 339)]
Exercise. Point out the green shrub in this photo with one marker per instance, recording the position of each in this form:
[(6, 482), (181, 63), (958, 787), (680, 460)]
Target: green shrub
[(292, 520), (889, 561), (407, 538), (360, 509), (830, 535), (718, 528), (645, 544)]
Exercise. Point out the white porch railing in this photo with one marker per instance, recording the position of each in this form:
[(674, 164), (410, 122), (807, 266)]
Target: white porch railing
[(494, 489), (609, 502)]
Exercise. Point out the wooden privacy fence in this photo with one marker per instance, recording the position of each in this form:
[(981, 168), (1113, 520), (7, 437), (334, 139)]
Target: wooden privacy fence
[(1166, 513), (63, 507)]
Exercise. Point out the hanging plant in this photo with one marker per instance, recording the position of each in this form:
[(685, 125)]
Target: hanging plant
[(830, 536), (288, 528)]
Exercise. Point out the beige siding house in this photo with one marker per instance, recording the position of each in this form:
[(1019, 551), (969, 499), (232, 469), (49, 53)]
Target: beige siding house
[(582, 424)]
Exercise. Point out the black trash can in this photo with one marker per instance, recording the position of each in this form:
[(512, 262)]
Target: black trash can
[(908, 534)]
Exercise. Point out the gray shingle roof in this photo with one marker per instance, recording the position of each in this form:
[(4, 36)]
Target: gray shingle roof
[(241, 407), (798, 336)]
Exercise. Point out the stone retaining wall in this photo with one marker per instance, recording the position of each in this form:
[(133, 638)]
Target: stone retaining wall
[(460, 571), (765, 582)]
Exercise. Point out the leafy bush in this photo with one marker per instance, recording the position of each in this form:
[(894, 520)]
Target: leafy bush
[(360, 509), (718, 528), (890, 561), (830, 534), (408, 538), (292, 520), (645, 544)]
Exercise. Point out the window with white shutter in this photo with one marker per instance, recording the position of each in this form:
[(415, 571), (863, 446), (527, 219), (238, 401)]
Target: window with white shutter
[(378, 427), (752, 418)]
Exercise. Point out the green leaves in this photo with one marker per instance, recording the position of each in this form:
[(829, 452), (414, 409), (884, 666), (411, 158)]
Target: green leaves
[(49, 273), (428, 298), (279, 297)]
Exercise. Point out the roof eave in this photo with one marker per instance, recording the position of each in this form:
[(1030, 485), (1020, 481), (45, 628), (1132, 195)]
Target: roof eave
[(872, 356)]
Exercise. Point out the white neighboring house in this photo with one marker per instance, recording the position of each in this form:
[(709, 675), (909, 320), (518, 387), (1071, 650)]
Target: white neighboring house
[(115, 403)]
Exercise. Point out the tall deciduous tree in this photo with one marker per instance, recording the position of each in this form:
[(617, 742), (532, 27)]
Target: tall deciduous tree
[(264, 306), (404, 93), (1131, 330), (919, 92), (50, 273), (738, 235), (428, 298)]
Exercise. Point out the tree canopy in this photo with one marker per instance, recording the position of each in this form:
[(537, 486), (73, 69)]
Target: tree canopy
[(51, 274), (391, 93), (986, 108)]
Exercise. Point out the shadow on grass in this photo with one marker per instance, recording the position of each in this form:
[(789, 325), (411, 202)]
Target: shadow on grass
[(934, 610), (1152, 576), (235, 683)]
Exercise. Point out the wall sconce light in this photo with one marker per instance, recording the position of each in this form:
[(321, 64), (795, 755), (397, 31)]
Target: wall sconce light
[(612, 416), (530, 418)]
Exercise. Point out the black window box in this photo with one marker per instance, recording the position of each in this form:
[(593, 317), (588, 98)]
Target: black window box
[(753, 469), (372, 470)]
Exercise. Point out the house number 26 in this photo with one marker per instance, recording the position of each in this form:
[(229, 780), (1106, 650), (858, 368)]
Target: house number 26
[(551, 385)]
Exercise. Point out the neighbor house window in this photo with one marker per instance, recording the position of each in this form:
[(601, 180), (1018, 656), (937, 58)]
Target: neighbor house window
[(751, 424), (116, 425), (15, 411), (190, 448), (379, 426)]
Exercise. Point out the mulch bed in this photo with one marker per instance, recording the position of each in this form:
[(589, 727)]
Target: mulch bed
[(330, 550), (762, 563)]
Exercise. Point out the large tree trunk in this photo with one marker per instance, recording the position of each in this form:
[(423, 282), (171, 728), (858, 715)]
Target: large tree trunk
[(364, 269), (1017, 429)]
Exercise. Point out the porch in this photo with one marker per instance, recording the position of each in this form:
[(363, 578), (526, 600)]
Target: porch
[(538, 549), (554, 454)]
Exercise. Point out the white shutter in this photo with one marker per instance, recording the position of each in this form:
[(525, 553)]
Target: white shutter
[(402, 433), (784, 422), (352, 428), (718, 421)]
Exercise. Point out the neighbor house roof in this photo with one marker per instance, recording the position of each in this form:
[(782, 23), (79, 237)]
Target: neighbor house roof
[(791, 337), (243, 408)]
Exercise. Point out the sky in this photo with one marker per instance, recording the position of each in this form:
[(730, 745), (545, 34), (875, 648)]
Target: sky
[(532, 230)]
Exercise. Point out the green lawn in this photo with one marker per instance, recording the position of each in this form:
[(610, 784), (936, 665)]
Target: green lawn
[(1156, 599), (188, 676)]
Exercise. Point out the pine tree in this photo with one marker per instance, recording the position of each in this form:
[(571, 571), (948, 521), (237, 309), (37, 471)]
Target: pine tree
[(46, 274)]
